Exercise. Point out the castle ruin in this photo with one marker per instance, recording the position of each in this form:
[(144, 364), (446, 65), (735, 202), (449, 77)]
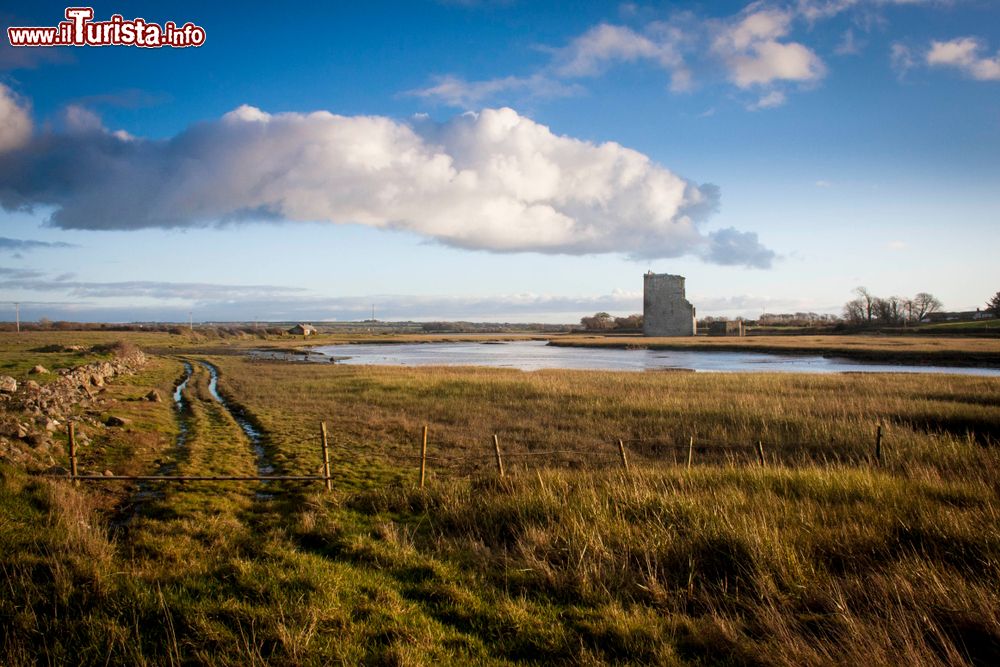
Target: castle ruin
[(665, 310)]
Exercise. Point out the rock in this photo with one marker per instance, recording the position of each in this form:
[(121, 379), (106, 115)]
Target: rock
[(113, 420), (96, 380), (22, 431), (39, 370), (32, 386), (153, 396), (108, 473), (39, 442), (51, 425), (8, 385)]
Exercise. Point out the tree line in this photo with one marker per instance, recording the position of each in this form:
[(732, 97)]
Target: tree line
[(866, 308), (605, 322)]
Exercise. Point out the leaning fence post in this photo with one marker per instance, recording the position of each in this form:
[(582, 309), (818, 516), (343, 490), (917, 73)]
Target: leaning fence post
[(621, 453), (72, 453), (326, 458), (878, 444), (423, 458), (496, 447), (690, 451), (760, 453)]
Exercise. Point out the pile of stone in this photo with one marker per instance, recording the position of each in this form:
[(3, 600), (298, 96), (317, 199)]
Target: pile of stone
[(34, 412)]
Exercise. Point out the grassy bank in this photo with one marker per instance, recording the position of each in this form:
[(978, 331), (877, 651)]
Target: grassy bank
[(910, 349), (819, 558)]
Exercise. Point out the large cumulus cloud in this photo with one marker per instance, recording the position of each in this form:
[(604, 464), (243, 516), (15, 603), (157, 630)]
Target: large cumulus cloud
[(494, 181)]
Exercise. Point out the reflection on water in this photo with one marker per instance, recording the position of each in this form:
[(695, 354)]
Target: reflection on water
[(536, 355)]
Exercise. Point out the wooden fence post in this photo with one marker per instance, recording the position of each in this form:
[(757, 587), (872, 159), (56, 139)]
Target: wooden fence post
[(690, 451), (878, 444), (72, 453), (423, 458), (621, 453), (496, 447), (326, 458), (760, 453)]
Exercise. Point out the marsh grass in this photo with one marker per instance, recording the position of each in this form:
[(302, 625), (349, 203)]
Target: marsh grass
[(819, 558), (376, 415), (899, 349)]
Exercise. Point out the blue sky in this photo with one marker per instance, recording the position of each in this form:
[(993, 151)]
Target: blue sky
[(502, 160)]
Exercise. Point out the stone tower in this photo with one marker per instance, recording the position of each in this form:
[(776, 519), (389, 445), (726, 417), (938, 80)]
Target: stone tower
[(665, 310)]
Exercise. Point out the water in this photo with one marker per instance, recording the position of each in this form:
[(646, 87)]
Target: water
[(537, 355), (182, 421)]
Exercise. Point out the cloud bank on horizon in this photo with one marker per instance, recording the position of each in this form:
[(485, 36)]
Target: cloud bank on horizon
[(176, 301), (493, 180)]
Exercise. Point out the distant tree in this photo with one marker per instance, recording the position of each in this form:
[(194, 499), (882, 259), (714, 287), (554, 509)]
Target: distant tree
[(922, 305), (630, 322), (888, 311), (854, 311), (598, 322), (868, 300), (993, 305)]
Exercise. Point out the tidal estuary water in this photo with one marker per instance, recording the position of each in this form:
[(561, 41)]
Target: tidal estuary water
[(537, 355)]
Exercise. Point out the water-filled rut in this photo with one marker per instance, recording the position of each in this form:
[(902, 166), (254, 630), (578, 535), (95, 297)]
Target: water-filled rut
[(264, 464)]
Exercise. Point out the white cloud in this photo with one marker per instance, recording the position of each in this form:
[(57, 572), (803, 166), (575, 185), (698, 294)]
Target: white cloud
[(901, 59), (753, 55), (603, 45), (963, 53), (773, 99), (814, 10), (494, 181), (456, 92), (588, 55), (849, 45), (15, 121)]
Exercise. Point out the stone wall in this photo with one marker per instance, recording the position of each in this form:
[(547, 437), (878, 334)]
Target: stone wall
[(665, 310)]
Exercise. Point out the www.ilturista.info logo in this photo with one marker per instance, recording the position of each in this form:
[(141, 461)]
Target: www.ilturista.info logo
[(79, 29)]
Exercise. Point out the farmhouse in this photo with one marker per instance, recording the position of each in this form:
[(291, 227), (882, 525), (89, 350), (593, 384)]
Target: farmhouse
[(665, 310), (302, 330)]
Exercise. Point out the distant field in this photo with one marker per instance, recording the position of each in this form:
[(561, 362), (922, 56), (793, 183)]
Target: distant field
[(820, 557)]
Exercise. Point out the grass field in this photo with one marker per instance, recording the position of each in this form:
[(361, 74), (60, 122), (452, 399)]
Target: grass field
[(821, 557)]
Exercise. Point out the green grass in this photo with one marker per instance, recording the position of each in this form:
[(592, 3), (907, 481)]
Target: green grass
[(992, 325), (819, 558)]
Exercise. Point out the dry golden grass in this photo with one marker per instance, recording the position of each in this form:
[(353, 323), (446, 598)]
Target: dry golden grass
[(962, 351), (819, 558), (376, 414)]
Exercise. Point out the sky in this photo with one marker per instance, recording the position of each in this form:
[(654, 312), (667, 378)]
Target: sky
[(500, 161)]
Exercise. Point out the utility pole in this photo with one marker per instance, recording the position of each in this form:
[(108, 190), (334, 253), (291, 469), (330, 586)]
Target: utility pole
[(190, 321), (373, 312), (17, 317)]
